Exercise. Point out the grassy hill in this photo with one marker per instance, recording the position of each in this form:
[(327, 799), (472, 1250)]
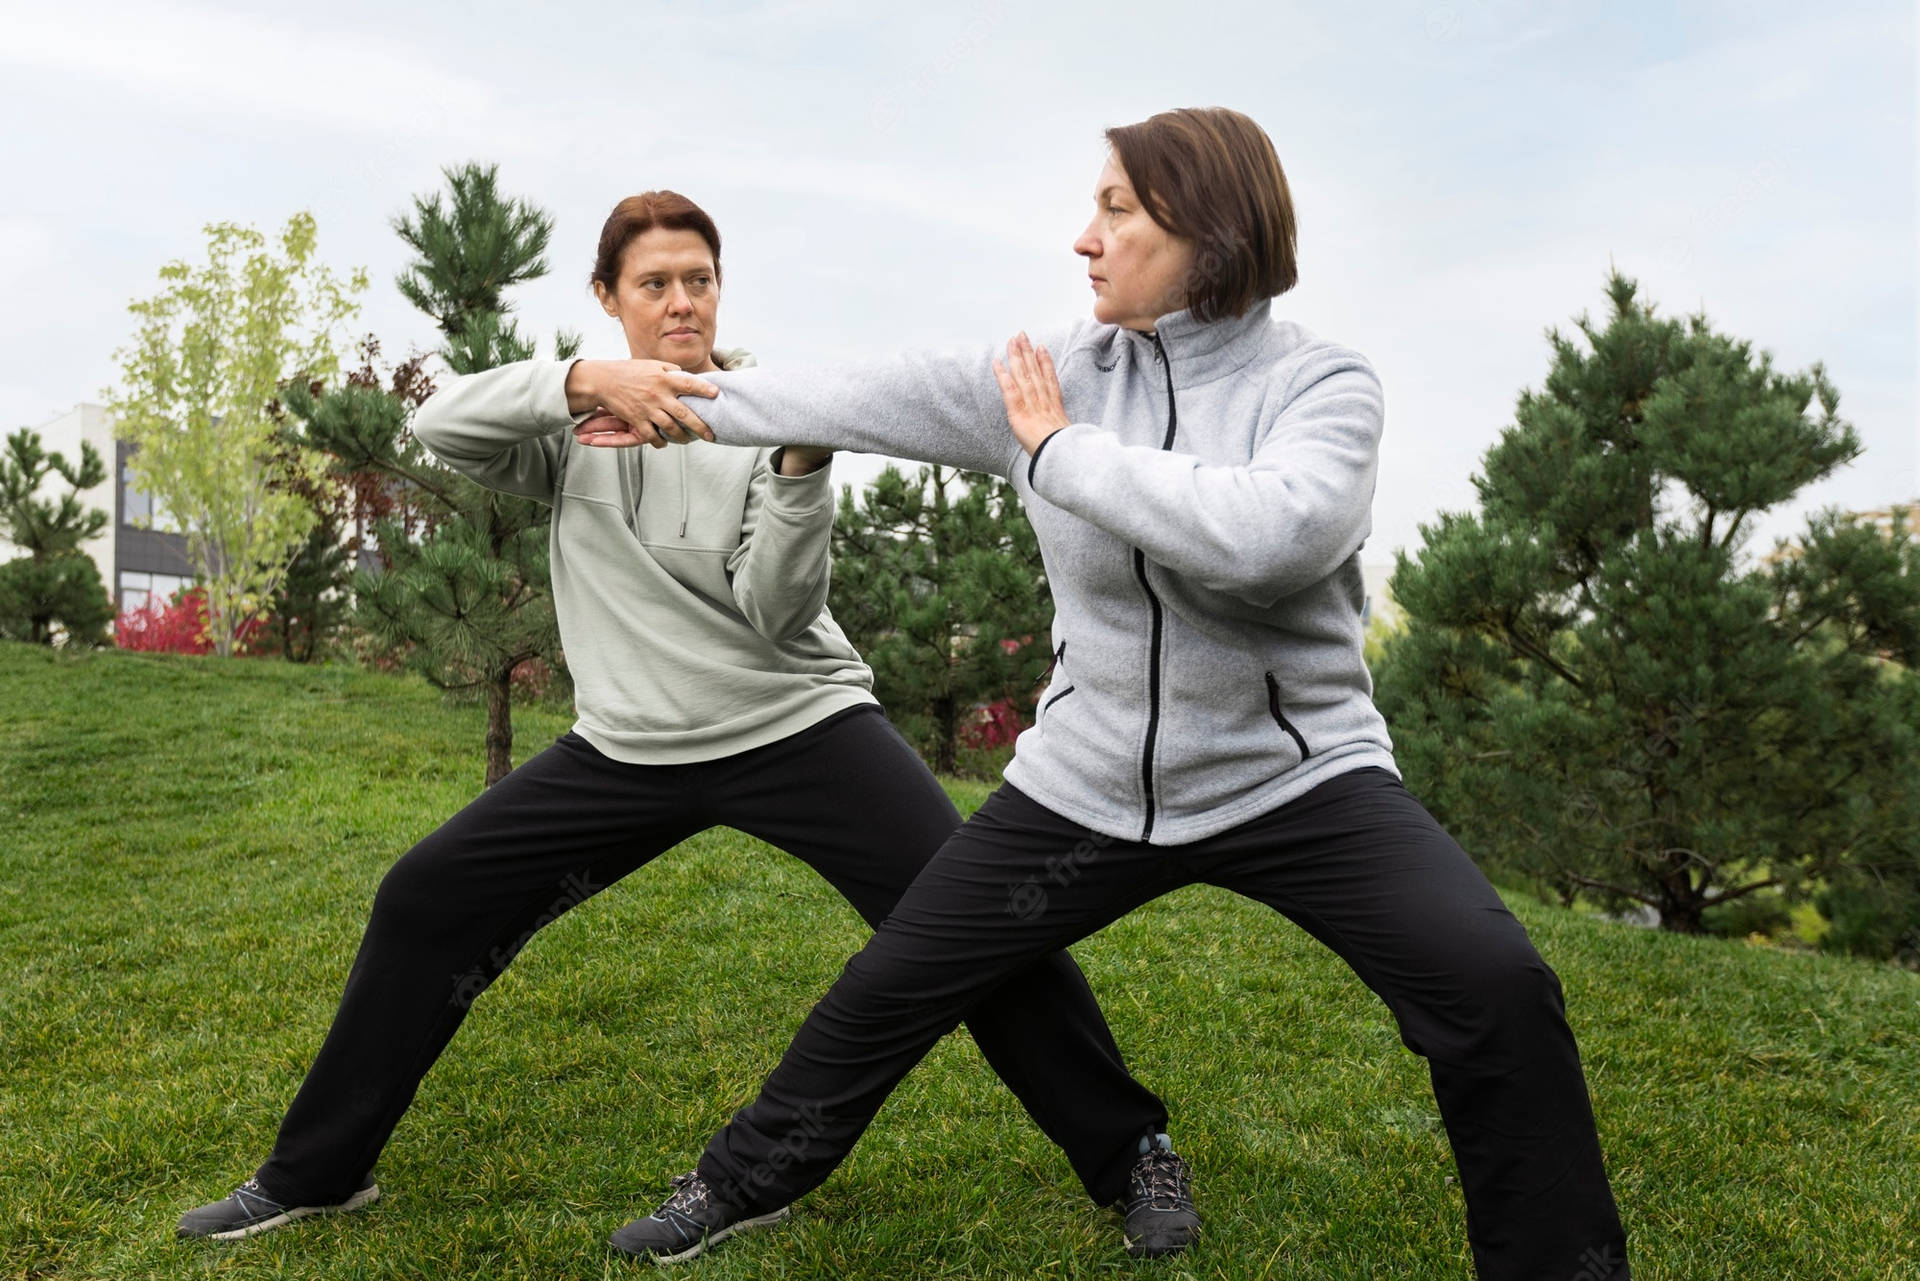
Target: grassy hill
[(188, 848)]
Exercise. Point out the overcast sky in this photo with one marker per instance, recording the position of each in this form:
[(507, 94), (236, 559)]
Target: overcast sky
[(888, 175)]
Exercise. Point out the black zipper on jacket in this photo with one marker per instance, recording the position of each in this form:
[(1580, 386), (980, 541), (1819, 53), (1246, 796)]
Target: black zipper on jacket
[(1052, 663), (1273, 705), (1059, 656), (1158, 615)]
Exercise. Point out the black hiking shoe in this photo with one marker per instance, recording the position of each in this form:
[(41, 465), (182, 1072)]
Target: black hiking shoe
[(686, 1223), (1160, 1218), (250, 1211)]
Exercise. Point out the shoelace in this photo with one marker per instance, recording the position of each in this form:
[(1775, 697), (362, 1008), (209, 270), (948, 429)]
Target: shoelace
[(251, 1192), (1160, 1178), (690, 1194)]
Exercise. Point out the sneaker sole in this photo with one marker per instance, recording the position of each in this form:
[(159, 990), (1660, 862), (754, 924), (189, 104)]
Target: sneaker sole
[(365, 1196), (715, 1238), (1144, 1250)]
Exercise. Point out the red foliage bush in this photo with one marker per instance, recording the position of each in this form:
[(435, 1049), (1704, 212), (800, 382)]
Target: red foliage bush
[(533, 679), (177, 627), (994, 724)]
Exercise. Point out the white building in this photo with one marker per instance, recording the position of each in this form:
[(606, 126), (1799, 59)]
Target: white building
[(1380, 603), (134, 563)]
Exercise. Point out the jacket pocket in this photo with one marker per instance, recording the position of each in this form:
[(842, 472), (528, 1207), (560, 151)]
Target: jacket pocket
[(1054, 695), (1280, 716)]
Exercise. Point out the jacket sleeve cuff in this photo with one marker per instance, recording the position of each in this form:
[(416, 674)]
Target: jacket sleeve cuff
[(1060, 449), (550, 394)]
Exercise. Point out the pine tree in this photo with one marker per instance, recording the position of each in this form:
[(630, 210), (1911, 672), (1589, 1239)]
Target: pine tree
[(55, 583), (939, 583), (464, 595), (1598, 691), (308, 607)]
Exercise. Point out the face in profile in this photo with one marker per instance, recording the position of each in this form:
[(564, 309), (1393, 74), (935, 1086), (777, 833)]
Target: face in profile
[(666, 298), (1138, 268)]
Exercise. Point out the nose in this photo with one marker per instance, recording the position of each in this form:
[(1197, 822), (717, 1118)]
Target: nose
[(1088, 246), (679, 302)]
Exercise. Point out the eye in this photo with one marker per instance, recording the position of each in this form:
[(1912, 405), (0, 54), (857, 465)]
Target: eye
[(653, 282)]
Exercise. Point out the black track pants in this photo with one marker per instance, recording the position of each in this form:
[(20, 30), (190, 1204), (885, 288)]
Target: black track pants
[(848, 796), (1359, 864)]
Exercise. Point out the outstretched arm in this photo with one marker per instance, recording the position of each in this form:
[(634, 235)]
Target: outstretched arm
[(936, 408), (504, 427), (1260, 530)]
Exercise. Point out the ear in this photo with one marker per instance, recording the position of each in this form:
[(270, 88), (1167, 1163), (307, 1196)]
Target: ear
[(605, 296)]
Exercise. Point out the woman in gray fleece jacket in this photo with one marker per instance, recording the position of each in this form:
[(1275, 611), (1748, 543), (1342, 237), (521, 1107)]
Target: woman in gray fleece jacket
[(1199, 475), (712, 687)]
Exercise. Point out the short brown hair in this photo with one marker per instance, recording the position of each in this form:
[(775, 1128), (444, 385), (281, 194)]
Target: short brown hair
[(1210, 175), (644, 212)]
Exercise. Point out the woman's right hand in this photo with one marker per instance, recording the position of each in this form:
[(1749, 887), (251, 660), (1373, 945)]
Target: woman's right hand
[(638, 403)]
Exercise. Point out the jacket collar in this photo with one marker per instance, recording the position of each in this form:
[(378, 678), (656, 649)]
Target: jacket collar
[(1201, 351)]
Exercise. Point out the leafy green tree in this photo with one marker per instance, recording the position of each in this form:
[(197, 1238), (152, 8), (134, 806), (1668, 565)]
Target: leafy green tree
[(464, 594), (55, 583), (1601, 694), (939, 583), (196, 386)]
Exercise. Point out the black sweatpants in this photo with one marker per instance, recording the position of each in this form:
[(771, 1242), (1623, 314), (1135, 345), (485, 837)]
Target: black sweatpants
[(1359, 864), (848, 796)]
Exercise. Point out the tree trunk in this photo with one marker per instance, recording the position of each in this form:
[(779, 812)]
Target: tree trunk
[(946, 749), (499, 725), (1681, 901), (1682, 917), (218, 630)]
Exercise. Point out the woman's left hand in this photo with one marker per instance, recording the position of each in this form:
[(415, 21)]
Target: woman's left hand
[(1031, 391)]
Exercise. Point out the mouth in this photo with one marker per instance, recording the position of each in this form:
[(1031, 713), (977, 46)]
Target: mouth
[(683, 333)]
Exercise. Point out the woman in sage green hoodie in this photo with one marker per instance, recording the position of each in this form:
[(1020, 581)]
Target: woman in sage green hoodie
[(712, 688)]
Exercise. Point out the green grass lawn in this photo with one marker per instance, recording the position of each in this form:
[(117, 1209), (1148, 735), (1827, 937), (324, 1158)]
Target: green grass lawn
[(188, 848)]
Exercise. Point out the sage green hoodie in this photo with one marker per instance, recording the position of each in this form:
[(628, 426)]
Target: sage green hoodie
[(690, 583)]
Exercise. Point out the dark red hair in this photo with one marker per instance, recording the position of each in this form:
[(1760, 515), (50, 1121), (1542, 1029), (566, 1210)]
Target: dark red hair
[(644, 212)]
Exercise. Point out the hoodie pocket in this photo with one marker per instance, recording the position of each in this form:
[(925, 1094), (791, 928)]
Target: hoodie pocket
[(1280, 716)]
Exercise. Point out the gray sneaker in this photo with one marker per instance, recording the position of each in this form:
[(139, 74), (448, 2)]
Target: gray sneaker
[(686, 1223), (250, 1211), (1160, 1218)]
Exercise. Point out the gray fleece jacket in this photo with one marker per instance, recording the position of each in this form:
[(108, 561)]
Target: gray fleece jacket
[(690, 584), (1201, 524)]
